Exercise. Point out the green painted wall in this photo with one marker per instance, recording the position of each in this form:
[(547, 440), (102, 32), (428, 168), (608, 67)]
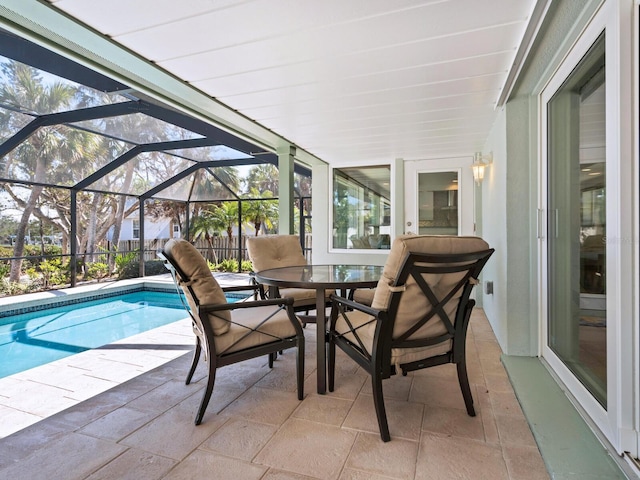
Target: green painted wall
[(510, 194)]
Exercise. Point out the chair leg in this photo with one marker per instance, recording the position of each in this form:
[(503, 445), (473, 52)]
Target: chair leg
[(194, 363), (272, 357), (300, 368), (331, 363), (211, 379), (466, 389), (381, 413)]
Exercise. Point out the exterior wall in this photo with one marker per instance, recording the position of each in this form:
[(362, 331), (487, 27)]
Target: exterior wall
[(491, 203), (510, 194)]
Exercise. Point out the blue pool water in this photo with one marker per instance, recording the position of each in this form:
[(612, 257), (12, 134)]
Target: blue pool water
[(37, 338)]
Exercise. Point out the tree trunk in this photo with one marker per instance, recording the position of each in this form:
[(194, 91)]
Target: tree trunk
[(18, 248)]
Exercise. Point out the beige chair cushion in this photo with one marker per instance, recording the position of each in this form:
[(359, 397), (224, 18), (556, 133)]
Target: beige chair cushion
[(205, 287), (364, 295), (279, 326), (365, 326), (414, 304), (274, 251)]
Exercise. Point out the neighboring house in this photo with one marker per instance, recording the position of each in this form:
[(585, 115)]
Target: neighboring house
[(163, 228)]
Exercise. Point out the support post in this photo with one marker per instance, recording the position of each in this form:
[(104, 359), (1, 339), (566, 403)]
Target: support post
[(285, 189)]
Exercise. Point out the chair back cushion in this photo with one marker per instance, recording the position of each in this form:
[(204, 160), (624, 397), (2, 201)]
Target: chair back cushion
[(205, 287), (274, 251), (414, 304)]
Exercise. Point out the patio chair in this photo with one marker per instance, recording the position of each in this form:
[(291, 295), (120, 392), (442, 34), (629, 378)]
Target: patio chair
[(419, 314), (274, 251), (228, 333)]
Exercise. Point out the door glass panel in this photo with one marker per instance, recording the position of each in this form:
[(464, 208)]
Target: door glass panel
[(577, 223), (438, 203)]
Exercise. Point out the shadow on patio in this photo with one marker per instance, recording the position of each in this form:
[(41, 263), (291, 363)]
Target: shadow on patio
[(255, 428)]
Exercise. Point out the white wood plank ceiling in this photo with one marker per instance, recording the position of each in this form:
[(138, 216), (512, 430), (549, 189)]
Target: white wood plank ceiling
[(350, 81)]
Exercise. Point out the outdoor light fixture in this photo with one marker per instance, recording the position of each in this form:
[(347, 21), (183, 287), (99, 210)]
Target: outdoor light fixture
[(480, 162)]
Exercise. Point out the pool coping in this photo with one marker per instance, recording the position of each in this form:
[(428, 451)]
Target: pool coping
[(33, 302)]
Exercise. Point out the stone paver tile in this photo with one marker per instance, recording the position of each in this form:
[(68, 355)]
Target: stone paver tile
[(21, 444), (173, 434), (323, 409), (118, 424), (505, 403), (275, 474), (12, 420), (280, 377), (488, 416), (452, 421), (395, 459), (164, 396), (404, 418), (135, 465), (524, 463), (439, 392), (397, 387), (204, 464), (308, 448), (264, 405), (347, 386), (239, 438), (351, 474), (71, 457), (514, 430), (459, 458)]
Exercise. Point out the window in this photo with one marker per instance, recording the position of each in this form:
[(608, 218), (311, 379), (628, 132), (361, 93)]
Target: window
[(136, 229), (361, 208)]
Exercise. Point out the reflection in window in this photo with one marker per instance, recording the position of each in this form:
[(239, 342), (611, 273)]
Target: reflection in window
[(438, 203), (361, 208), (577, 223)]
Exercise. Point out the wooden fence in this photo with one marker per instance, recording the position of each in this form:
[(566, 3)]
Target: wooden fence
[(223, 248)]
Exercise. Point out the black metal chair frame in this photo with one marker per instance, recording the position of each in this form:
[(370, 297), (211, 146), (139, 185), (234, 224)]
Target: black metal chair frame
[(378, 362), (220, 359)]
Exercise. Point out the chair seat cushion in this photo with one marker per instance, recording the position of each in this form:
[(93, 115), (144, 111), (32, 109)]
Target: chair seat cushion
[(303, 296), (205, 287), (365, 327), (238, 337)]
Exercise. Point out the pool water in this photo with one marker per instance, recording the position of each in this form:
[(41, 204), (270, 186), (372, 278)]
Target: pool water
[(33, 339)]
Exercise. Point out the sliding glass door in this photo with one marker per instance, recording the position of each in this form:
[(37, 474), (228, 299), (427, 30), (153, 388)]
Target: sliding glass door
[(576, 179)]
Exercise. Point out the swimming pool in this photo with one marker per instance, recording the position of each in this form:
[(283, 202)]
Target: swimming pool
[(31, 339)]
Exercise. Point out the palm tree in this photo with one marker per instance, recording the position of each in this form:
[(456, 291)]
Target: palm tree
[(260, 212), (225, 217), (262, 178), (204, 226)]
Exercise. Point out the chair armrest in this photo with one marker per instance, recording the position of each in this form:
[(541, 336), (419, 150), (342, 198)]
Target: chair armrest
[(355, 305), (217, 307), (241, 288)]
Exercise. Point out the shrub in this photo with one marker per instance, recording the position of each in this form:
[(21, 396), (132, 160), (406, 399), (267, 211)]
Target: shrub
[(14, 288), (97, 271), (49, 272), (151, 267), (123, 260), (227, 265)]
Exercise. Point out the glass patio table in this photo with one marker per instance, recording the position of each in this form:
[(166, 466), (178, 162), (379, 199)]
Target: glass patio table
[(321, 278)]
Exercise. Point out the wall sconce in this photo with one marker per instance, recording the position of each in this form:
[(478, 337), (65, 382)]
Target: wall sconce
[(480, 162)]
